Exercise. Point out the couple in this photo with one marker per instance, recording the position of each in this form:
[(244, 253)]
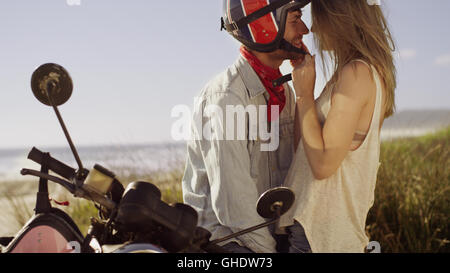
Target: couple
[(328, 149)]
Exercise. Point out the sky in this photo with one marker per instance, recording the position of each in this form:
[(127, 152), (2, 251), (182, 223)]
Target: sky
[(133, 61)]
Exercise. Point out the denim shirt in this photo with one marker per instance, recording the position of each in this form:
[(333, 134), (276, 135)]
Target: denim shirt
[(224, 178)]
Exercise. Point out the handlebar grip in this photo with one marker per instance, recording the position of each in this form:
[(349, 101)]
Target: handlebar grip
[(53, 164)]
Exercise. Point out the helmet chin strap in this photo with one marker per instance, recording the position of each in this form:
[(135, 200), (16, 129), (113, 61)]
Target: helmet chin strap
[(282, 80), (285, 45)]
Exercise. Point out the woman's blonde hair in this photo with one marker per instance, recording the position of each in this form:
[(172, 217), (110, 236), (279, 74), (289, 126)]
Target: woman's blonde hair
[(353, 29)]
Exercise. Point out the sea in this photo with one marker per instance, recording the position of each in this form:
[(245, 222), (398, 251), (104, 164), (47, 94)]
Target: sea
[(122, 160), (142, 159)]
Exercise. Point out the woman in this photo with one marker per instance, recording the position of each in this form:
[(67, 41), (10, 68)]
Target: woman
[(335, 168)]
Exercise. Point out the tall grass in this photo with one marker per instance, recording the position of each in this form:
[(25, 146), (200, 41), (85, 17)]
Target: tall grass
[(16, 208), (412, 197), (21, 210)]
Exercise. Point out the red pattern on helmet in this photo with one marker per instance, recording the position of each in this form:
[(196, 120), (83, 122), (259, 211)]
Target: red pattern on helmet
[(265, 29)]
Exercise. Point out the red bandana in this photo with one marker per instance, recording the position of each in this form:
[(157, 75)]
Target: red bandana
[(267, 75)]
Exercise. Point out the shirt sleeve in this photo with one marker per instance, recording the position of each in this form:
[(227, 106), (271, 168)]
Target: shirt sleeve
[(234, 192)]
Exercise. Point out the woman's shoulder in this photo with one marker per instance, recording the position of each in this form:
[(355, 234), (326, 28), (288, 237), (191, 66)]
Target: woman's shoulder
[(356, 76), (357, 69)]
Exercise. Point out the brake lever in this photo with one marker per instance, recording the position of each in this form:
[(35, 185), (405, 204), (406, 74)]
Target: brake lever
[(73, 189), (66, 184)]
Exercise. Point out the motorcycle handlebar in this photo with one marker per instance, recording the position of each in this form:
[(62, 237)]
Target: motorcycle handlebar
[(79, 192), (53, 164)]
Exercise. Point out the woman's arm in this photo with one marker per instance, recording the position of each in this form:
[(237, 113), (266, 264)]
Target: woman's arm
[(327, 147)]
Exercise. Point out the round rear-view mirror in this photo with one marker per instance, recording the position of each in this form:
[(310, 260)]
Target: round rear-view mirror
[(51, 84), (275, 202)]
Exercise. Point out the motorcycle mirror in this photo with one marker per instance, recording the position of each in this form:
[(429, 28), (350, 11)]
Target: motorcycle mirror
[(275, 202), (271, 204), (51, 83)]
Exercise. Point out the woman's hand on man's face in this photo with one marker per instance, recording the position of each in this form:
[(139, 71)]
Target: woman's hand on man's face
[(304, 77)]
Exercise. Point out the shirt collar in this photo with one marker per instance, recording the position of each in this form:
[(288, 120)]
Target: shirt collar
[(249, 77)]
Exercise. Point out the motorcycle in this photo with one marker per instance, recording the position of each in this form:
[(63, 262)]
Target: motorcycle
[(130, 220)]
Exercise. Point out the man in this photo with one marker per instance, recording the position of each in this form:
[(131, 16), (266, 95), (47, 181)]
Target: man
[(225, 174)]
